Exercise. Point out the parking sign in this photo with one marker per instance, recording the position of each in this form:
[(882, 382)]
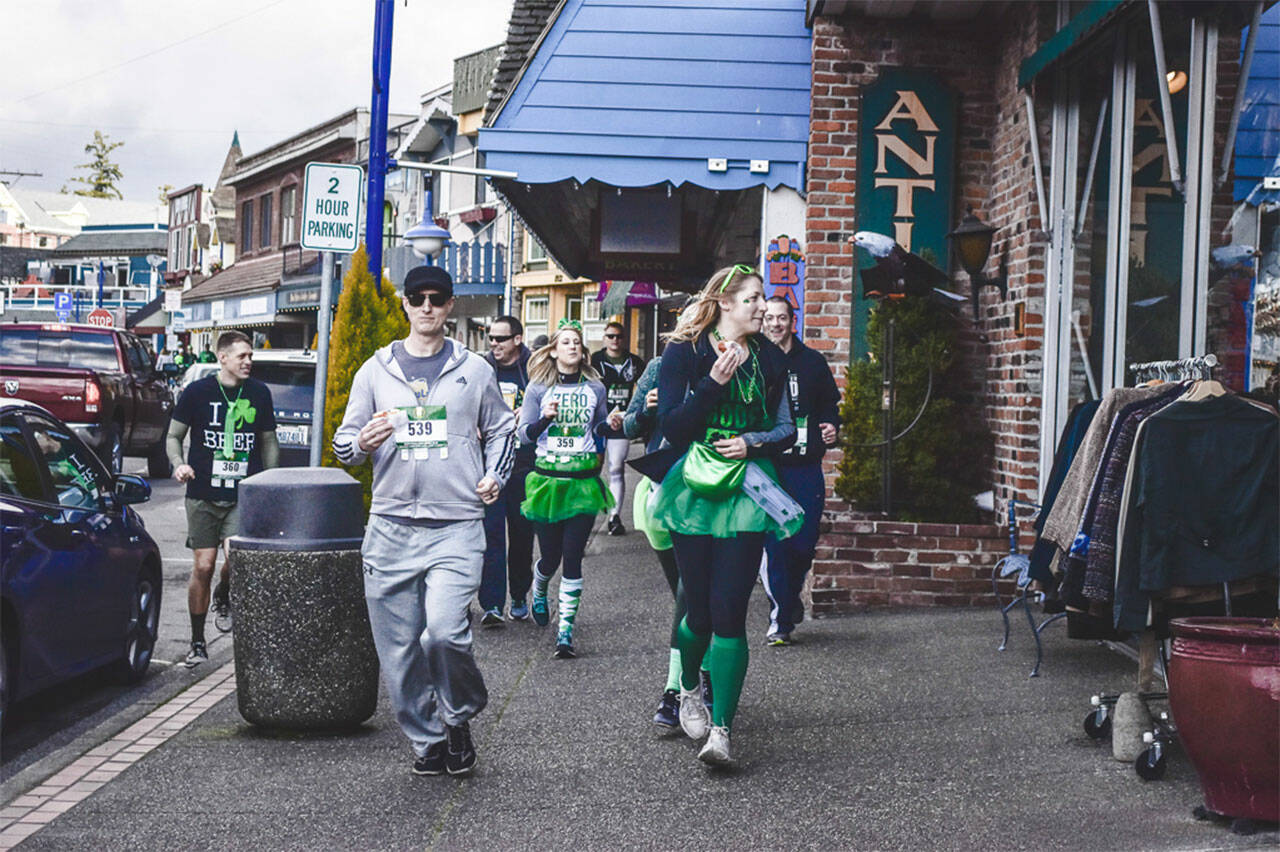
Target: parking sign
[(62, 306), (331, 207)]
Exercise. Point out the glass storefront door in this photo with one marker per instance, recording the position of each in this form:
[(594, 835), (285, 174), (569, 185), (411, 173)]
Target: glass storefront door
[(1129, 210)]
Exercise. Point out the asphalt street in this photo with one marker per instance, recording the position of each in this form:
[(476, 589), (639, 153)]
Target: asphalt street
[(879, 730)]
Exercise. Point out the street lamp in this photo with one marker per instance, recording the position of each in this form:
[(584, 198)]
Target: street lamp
[(426, 238), (972, 239)]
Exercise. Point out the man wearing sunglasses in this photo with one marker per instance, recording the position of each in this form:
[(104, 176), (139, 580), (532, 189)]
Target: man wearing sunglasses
[(508, 552), (619, 371), (430, 416)]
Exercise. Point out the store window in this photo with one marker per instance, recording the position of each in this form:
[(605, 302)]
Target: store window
[(288, 215), (573, 308), (1129, 210)]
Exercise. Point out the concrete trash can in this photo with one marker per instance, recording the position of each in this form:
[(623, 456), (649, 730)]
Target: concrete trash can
[(304, 652)]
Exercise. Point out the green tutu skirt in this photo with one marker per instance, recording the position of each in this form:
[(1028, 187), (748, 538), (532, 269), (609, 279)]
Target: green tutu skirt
[(681, 510), (551, 499), (659, 538)]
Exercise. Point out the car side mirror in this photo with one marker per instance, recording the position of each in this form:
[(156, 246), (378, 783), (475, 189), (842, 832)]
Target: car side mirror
[(132, 489)]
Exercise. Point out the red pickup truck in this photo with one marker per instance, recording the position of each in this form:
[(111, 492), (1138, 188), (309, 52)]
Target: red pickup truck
[(102, 382)]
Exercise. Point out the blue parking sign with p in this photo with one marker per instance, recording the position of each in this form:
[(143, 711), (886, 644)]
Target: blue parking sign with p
[(62, 306)]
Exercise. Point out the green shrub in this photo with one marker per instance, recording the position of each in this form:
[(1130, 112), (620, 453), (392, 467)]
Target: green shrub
[(944, 460), (364, 323)]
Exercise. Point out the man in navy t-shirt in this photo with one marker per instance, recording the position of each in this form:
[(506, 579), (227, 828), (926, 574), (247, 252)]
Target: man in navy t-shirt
[(233, 435)]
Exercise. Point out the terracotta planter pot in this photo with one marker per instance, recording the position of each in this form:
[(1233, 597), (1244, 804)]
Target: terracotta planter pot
[(1224, 692)]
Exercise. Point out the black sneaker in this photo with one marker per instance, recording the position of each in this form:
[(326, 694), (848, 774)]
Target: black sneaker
[(491, 618), (705, 677), (564, 646), (668, 715), (431, 763), (616, 527), (460, 752), (197, 655)]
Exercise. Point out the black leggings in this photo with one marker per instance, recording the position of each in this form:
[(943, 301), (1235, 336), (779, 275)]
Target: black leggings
[(667, 559), (718, 575), (565, 540)]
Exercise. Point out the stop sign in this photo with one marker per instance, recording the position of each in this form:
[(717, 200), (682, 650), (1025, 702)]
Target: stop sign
[(102, 317)]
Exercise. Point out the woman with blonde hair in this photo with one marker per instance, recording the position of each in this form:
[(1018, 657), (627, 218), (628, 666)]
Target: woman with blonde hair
[(565, 416), (723, 407)]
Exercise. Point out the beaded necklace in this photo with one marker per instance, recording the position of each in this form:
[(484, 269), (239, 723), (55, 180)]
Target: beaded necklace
[(747, 391)]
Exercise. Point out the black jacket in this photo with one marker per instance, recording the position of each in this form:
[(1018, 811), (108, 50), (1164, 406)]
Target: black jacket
[(814, 395), (688, 396), (1204, 502)]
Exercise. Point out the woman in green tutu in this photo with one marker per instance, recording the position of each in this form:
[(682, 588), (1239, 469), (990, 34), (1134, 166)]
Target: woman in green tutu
[(565, 416), (722, 406)]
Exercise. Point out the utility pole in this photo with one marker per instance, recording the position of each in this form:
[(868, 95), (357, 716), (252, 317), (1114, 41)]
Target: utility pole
[(382, 28)]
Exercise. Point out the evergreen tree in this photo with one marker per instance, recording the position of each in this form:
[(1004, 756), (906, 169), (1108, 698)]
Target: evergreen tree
[(104, 175), (364, 323), (944, 460)]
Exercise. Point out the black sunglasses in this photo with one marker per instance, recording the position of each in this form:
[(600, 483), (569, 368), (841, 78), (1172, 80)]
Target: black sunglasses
[(612, 336), (500, 338), (438, 299)]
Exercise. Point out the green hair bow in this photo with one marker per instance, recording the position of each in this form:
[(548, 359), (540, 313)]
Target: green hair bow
[(570, 323)]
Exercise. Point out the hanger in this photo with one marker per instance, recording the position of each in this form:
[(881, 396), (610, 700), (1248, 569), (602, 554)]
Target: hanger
[(1203, 389)]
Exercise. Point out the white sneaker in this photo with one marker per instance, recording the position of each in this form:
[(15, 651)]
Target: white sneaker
[(716, 751), (694, 718)]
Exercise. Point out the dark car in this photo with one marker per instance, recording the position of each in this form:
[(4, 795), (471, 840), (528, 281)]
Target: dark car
[(80, 577)]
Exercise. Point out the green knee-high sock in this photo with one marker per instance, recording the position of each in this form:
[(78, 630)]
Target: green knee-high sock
[(673, 670), (728, 671), (570, 595), (691, 646)]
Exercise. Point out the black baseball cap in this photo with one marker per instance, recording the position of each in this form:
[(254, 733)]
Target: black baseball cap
[(423, 278)]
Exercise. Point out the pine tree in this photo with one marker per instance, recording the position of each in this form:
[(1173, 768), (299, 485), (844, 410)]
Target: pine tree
[(103, 174), (944, 460), (364, 323)]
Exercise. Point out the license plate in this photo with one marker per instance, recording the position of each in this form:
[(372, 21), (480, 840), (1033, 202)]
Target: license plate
[(294, 436)]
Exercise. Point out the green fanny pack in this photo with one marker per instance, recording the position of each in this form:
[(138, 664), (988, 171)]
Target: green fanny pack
[(711, 475)]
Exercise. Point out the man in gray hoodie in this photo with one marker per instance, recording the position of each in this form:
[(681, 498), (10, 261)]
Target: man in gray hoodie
[(430, 415)]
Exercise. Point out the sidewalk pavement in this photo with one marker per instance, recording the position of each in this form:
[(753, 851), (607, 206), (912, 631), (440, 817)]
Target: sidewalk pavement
[(880, 730)]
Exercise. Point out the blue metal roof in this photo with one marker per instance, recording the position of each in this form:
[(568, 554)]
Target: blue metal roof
[(1258, 139), (638, 92)]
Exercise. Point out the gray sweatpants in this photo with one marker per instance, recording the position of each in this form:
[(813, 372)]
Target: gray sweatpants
[(418, 584)]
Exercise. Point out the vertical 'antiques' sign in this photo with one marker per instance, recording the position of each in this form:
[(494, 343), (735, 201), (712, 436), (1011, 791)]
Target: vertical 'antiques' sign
[(784, 276), (906, 171)]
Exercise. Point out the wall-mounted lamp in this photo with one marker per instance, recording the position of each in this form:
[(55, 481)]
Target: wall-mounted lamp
[(972, 240), (426, 238)]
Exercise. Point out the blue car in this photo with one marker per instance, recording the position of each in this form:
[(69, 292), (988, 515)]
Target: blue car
[(80, 583)]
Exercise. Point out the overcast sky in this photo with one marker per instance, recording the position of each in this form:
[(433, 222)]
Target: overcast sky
[(173, 79)]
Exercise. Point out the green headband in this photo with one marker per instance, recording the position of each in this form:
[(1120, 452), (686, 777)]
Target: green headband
[(738, 269), (570, 323)]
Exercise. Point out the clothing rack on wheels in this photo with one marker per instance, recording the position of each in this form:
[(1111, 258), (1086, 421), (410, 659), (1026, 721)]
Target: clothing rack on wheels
[(1167, 507)]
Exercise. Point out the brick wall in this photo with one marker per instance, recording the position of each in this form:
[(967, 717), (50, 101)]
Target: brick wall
[(861, 561)]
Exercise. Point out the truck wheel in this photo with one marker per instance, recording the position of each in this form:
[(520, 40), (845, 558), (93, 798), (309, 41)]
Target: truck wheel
[(113, 448), (158, 466)]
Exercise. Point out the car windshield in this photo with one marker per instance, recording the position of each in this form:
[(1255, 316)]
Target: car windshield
[(45, 348), (292, 385)]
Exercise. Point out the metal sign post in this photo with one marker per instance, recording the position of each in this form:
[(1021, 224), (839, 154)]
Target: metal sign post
[(330, 223)]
